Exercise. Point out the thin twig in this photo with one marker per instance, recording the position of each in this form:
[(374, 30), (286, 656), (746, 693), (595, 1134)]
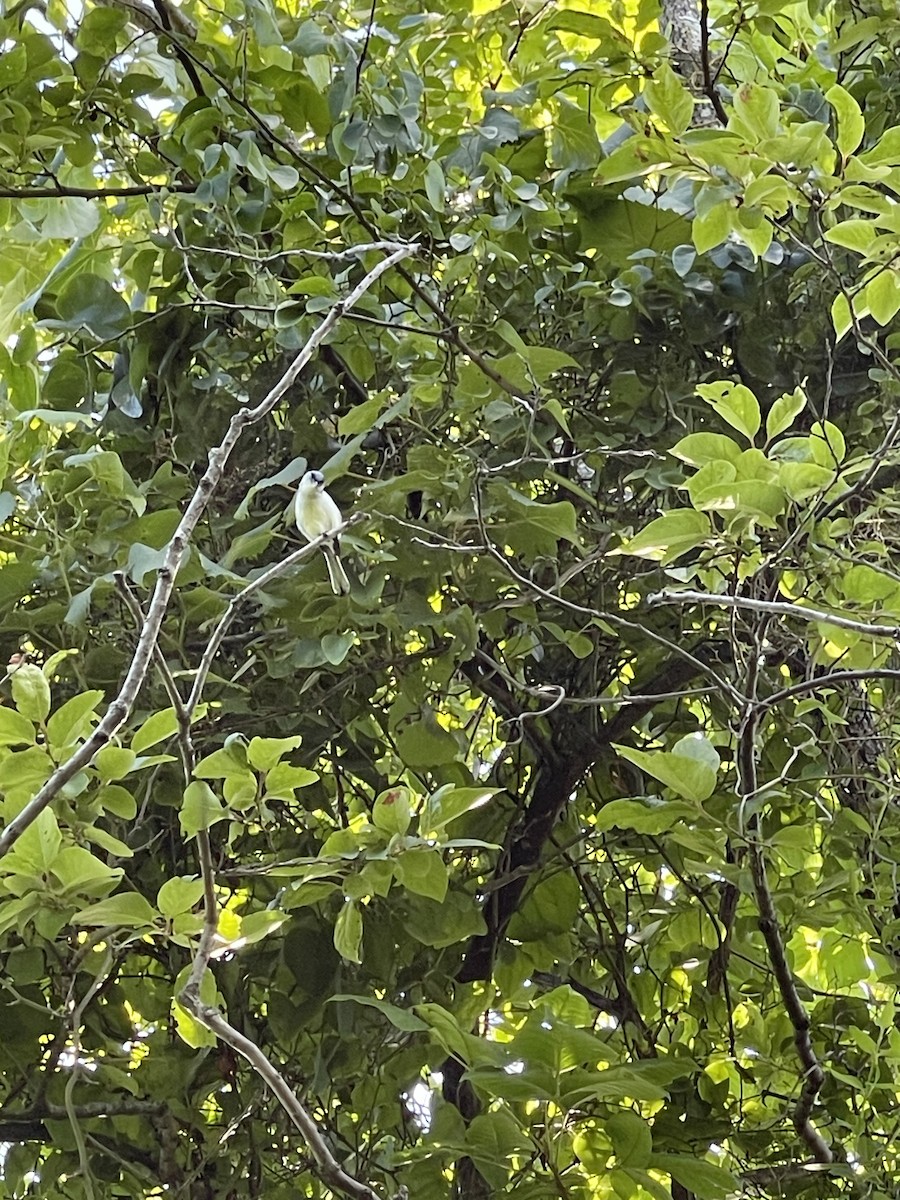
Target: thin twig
[(776, 608), (813, 1076), (709, 86)]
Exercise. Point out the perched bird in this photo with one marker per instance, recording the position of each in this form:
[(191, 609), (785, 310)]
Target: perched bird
[(316, 514)]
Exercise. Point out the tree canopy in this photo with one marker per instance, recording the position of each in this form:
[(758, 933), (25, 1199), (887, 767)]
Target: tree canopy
[(559, 858)]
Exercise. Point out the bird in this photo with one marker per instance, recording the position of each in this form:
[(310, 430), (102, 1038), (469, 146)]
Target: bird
[(316, 514)]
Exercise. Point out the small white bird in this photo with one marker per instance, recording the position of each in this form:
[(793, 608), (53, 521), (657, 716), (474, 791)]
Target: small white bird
[(316, 513)]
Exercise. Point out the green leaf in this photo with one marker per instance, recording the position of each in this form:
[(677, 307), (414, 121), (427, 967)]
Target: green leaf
[(114, 762), (80, 872), (425, 744), (189, 1028), (842, 315), (689, 777), (755, 112), (862, 584), (882, 295), (855, 234), (30, 692), (585, 24), (435, 185), (283, 779), (851, 125), (699, 449), (129, 910), (117, 800), (391, 811), (706, 1180), (631, 1138), (449, 803), (88, 302), (423, 871), (15, 730), (669, 536), (37, 847), (653, 818), (361, 417), (712, 228), (827, 444), (735, 404), (73, 721), (669, 99), (574, 145), (179, 895), (264, 753), (400, 1018), (348, 931), (336, 647), (782, 413), (201, 808), (802, 480), (157, 727)]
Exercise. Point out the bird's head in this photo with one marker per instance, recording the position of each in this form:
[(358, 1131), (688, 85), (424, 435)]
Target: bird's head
[(313, 481)]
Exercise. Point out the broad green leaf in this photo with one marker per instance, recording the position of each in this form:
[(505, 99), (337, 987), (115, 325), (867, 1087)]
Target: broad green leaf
[(348, 931), (400, 1018), (37, 847), (827, 444), (782, 413), (755, 112), (157, 727), (631, 1138), (851, 125), (643, 818), (753, 497), (283, 779), (854, 234), (391, 811), (179, 895), (15, 730), (422, 871), (691, 778), (361, 417), (735, 404), (30, 692), (264, 753), (201, 808), (89, 302), (82, 873), (669, 99), (801, 480), (862, 584), (705, 1179), (669, 536), (699, 449), (189, 1028), (712, 228), (882, 295), (449, 803), (73, 721), (128, 910), (842, 315), (114, 762)]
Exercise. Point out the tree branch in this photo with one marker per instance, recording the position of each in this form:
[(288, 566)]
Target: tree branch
[(60, 190), (776, 608), (813, 1075)]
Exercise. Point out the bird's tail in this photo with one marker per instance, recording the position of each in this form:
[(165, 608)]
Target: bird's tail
[(340, 584)]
